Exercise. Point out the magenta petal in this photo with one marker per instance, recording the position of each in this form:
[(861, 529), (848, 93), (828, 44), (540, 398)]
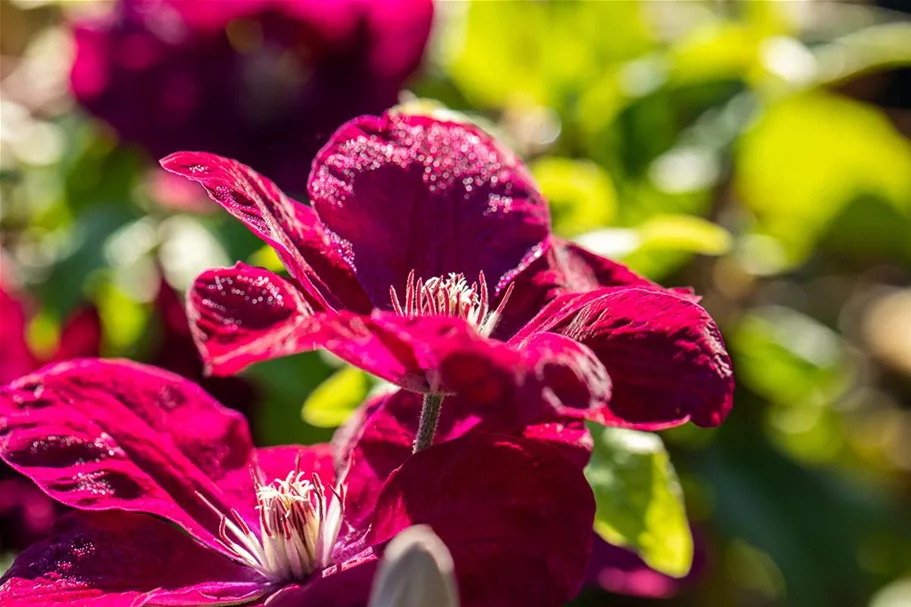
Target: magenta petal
[(108, 559), (379, 438), (431, 354), (664, 354), (404, 192), (387, 346), (515, 514), (423, 354), (348, 587), (243, 314), (564, 268), (586, 271), (292, 229), (574, 378), (101, 435)]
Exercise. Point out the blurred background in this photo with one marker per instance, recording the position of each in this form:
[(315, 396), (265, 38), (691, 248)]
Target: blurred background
[(757, 150)]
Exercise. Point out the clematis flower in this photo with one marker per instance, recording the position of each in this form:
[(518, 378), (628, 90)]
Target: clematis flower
[(176, 507), (427, 260), (263, 80)]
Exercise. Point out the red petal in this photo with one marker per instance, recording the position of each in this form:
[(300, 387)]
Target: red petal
[(111, 559), (404, 192), (243, 314), (15, 357), (292, 229), (101, 435), (663, 352), (564, 268), (515, 514)]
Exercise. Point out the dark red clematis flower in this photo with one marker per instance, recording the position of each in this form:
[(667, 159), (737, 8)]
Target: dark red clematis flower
[(427, 260), (259, 80), (176, 507)]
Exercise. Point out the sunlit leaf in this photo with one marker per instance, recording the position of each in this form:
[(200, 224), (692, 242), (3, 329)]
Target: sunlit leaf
[(123, 319), (789, 357), (550, 50), (330, 404), (266, 257), (684, 233), (809, 156), (43, 334), (638, 497), (580, 193), (680, 233)]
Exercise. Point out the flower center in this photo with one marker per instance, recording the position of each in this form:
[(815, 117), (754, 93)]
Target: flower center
[(450, 296), (299, 524)]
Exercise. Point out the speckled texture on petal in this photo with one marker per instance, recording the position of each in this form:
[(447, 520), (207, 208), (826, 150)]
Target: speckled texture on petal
[(114, 559), (101, 435), (663, 352), (292, 229), (243, 314), (404, 192)]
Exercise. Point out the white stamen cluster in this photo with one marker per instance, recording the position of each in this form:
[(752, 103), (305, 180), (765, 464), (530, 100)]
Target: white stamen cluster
[(299, 524), (450, 296)]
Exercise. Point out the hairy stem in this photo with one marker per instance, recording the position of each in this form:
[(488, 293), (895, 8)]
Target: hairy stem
[(430, 414)]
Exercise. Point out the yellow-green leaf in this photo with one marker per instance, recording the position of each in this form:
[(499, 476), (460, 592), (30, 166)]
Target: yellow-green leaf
[(685, 233), (336, 398), (809, 156), (266, 257), (677, 233), (123, 319), (638, 497), (581, 194)]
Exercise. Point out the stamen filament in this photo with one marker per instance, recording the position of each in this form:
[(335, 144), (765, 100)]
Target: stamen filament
[(450, 296), (299, 524)]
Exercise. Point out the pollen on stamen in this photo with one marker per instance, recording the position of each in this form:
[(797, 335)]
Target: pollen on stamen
[(450, 296), (299, 522)]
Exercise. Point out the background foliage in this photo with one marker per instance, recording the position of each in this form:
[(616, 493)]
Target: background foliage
[(756, 150)]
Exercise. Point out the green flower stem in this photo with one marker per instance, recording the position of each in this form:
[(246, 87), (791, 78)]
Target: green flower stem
[(430, 415)]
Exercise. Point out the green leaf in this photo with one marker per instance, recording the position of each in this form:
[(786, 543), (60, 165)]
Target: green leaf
[(638, 497), (808, 157), (330, 404), (581, 194), (549, 52), (266, 257), (123, 319), (685, 233), (678, 233)]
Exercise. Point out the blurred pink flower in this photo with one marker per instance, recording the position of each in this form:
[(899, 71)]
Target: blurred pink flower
[(265, 81)]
